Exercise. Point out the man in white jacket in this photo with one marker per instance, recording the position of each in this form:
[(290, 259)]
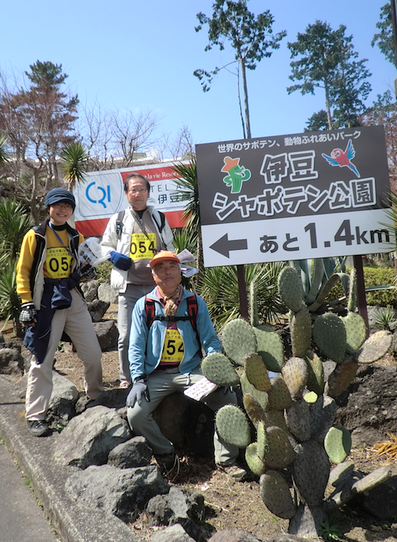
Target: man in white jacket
[(131, 239)]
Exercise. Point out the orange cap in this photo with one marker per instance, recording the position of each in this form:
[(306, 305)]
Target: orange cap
[(162, 256)]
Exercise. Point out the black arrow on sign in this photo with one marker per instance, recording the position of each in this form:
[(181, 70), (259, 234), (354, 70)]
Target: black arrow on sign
[(224, 246)]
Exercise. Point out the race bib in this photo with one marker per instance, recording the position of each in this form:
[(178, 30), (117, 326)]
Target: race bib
[(58, 263), (142, 247), (173, 347)]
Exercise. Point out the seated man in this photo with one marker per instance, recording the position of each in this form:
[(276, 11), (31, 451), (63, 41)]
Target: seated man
[(165, 356)]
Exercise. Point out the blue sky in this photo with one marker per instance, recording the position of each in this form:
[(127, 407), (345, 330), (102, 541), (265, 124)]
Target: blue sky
[(141, 56)]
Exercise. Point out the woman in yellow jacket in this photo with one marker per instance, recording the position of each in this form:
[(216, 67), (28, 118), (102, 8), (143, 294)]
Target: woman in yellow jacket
[(48, 275)]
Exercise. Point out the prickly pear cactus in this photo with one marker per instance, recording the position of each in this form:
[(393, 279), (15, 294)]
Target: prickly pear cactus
[(232, 426), (329, 335), (292, 411), (218, 368), (290, 289), (337, 444), (238, 340)]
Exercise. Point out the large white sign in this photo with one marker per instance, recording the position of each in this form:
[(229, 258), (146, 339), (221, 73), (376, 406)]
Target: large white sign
[(297, 238), (294, 197)]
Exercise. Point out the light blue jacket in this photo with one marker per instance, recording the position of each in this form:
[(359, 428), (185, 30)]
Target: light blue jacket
[(146, 345)]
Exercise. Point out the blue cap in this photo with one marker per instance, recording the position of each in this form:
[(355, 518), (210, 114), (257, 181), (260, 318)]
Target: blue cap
[(59, 194)]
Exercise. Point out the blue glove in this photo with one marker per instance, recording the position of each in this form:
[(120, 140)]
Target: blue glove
[(120, 261), (28, 313), (138, 390)]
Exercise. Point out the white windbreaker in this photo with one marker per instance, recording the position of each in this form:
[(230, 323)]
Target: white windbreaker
[(111, 241)]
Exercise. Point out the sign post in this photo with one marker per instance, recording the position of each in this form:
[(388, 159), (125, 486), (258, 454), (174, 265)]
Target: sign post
[(293, 197)]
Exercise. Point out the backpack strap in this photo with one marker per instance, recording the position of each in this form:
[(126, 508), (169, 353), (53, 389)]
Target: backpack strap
[(162, 221), (160, 228), (119, 223), (192, 308), (150, 311)]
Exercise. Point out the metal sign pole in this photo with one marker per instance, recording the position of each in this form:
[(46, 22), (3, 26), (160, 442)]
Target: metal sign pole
[(242, 291), (361, 299)]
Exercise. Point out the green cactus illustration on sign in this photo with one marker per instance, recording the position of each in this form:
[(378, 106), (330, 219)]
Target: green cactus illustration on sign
[(236, 174)]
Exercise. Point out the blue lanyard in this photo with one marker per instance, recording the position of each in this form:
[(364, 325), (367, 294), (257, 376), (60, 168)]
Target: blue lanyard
[(60, 240)]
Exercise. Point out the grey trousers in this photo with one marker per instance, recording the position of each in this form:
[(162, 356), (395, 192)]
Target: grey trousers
[(163, 383), (127, 302)]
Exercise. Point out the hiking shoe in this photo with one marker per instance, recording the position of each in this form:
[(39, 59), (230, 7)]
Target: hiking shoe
[(168, 463), (234, 471), (38, 428)]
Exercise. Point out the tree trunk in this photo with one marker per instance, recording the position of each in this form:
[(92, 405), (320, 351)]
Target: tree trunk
[(239, 105), (328, 107), (33, 203), (246, 107), (240, 268)]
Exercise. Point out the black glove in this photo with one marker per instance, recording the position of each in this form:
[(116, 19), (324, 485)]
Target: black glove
[(28, 313), (139, 389), (120, 261), (88, 272)]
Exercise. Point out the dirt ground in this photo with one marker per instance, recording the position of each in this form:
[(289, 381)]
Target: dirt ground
[(231, 504)]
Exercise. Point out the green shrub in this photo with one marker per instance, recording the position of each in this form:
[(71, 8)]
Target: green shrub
[(386, 318), (380, 276), (220, 289), (103, 271), (373, 277), (10, 303)]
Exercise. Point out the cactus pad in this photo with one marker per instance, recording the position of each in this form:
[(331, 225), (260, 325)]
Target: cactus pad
[(311, 470), (218, 369), (253, 409), (279, 395), (270, 348), (341, 377), (254, 462), (375, 347), (262, 443), (329, 334), (301, 332), (356, 331), (338, 443), (275, 418), (290, 289), (238, 339), (256, 372), (232, 426), (323, 413), (295, 374), (276, 495), (279, 453), (298, 419), (260, 396), (310, 397), (315, 375), (374, 479)]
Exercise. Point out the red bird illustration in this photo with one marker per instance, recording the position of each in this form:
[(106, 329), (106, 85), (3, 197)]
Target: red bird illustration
[(343, 158)]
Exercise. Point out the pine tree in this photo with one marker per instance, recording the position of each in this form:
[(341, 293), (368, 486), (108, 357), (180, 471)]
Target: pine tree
[(250, 36), (326, 59)]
